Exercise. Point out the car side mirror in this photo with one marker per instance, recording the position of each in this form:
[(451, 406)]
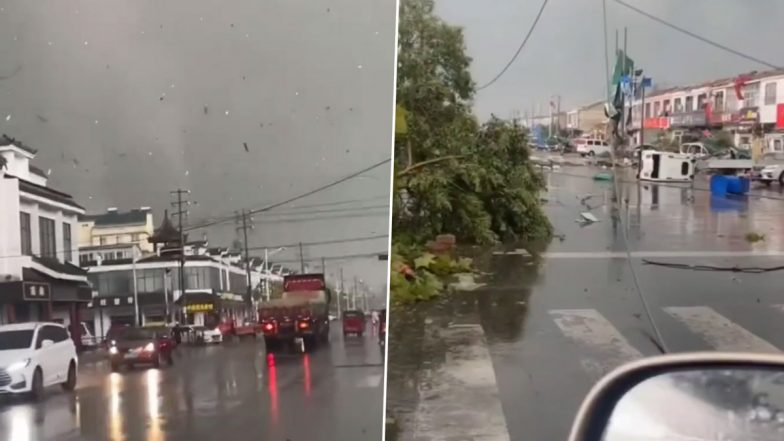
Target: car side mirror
[(47, 343), (686, 396)]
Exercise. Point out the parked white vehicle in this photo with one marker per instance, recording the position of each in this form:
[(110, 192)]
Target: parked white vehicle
[(695, 149), (34, 356), (770, 168), (213, 335), (591, 146)]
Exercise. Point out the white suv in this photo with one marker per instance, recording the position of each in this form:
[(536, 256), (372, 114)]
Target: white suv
[(591, 147), (34, 356)]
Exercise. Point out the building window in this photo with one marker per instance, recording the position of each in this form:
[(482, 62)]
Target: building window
[(657, 109), (114, 283), (751, 95), (666, 107), (102, 240), (47, 237), (770, 94), (647, 110), (67, 245), (197, 278), (701, 98), (149, 280), (24, 228), (136, 237), (678, 105), (718, 101), (689, 103)]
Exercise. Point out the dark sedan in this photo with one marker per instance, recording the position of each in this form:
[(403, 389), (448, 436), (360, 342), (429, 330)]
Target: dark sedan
[(131, 346)]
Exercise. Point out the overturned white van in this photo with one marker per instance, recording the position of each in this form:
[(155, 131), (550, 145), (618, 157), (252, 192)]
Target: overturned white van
[(666, 167)]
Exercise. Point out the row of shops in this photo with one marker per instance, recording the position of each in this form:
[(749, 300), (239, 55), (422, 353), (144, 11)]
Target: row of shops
[(746, 107), (200, 308)]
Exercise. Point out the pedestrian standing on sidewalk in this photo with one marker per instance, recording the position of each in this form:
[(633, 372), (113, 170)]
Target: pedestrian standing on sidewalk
[(374, 319), (177, 333)]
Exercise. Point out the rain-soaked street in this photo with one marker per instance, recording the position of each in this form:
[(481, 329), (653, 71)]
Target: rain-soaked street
[(513, 359), (232, 391)]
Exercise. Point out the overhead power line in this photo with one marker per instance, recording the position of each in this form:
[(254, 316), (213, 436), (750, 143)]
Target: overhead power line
[(332, 210), (322, 242), (298, 209), (341, 257), (365, 214), (698, 37), (294, 198), (519, 49)]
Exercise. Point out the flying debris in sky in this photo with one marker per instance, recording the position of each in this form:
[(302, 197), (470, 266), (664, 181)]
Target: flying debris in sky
[(245, 144)]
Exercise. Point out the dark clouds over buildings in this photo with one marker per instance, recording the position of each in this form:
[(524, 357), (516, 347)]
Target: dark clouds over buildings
[(245, 103)]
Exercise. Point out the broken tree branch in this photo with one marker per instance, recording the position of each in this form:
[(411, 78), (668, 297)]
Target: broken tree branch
[(419, 165)]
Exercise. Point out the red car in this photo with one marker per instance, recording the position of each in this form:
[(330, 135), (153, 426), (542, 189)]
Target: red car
[(354, 323), (130, 346)]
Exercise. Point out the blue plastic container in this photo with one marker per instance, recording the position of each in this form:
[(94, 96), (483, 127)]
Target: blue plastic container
[(737, 185), (719, 185)]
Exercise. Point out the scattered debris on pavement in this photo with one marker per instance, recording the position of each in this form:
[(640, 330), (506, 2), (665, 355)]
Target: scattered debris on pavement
[(754, 237), (587, 218), (465, 282), (515, 252)]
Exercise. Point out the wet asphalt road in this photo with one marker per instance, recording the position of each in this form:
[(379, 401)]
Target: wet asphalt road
[(545, 329), (232, 391)]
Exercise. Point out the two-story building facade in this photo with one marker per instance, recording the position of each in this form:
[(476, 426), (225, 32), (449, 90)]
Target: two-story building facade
[(39, 277), (215, 283), (586, 119), (114, 234)]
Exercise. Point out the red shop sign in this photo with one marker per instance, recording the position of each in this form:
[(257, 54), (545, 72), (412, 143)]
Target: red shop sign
[(780, 116), (656, 123)]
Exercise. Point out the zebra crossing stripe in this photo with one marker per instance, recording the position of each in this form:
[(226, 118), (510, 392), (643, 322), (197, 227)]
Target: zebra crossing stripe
[(371, 381), (587, 327), (718, 331), (459, 398)]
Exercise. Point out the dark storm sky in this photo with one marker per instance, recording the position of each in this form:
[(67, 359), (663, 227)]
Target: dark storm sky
[(113, 95)]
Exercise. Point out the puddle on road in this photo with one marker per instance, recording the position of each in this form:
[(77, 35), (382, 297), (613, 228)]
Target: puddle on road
[(500, 306)]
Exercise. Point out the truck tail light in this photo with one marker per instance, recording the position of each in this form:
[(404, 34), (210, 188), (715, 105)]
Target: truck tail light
[(304, 325), (268, 327)]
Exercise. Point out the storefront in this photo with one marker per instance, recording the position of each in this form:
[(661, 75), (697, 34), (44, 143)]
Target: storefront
[(108, 311), (47, 292), (210, 309)]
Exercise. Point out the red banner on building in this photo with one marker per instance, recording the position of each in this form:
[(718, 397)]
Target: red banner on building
[(780, 116), (656, 123)]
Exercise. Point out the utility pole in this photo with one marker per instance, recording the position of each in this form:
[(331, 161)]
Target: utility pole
[(245, 222), (179, 204), (301, 260), (340, 293), (558, 115), (354, 295), (324, 266), (623, 73)]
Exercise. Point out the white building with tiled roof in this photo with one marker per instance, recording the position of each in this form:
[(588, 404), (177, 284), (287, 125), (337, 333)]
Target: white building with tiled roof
[(39, 278), (112, 235)]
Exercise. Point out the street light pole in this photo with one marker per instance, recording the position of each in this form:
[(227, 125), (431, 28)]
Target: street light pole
[(135, 287), (266, 275)]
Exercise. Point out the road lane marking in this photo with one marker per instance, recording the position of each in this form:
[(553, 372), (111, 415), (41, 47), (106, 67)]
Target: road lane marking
[(718, 331), (371, 381), (587, 327), (656, 254), (458, 395)]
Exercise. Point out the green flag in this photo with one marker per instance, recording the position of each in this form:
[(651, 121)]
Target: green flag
[(620, 68)]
